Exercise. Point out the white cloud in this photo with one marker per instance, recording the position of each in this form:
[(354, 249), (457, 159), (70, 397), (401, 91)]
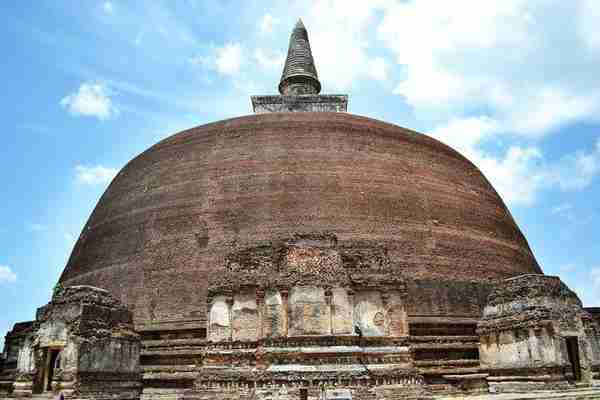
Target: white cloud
[(507, 57), (378, 69), (94, 175), (269, 60), (588, 27), (226, 60), (7, 275), (520, 172), (108, 7), (576, 171), (341, 39), (339, 32), (91, 100), (512, 174), (267, 23)]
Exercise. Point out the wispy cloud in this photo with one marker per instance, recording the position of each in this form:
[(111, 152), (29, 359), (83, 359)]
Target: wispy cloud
[(269, 60), (519, 173), (564, 210), (94, 175), (266, 24), (90, 100), (7, 275), (227, 60), (378, 69)]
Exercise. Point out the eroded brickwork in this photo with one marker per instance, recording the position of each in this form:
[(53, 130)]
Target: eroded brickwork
[(176, 211)]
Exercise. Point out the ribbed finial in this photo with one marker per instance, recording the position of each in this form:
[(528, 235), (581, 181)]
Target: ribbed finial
[(299, 73)]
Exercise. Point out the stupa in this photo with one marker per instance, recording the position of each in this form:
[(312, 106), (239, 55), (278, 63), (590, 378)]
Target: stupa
[(301, 252)]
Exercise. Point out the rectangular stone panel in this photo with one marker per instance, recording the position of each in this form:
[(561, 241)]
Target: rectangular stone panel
[(397, 316), (341, 306), (273, 314), (219, 328), (309, 313), (245, 317)]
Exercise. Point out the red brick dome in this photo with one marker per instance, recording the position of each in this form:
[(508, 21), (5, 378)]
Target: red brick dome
[(175, 212)]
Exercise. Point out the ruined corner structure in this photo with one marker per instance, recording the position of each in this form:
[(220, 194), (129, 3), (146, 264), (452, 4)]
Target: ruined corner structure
[(534, 334), (82, 344), (13, 342), (303, 315)]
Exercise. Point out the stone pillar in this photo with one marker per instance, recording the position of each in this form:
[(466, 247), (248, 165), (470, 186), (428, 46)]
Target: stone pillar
[(208, 305), (260, 304), (328, 302), (351, 293), (385, 302), (285, 310), (229, 301)]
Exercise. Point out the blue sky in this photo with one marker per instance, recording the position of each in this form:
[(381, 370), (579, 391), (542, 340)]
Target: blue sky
[(511, 84)]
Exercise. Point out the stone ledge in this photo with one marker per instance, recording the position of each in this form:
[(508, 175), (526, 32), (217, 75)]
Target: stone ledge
[(301, 103)]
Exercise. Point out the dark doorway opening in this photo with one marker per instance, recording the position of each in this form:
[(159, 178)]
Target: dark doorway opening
[(573, 352), (51, 357)]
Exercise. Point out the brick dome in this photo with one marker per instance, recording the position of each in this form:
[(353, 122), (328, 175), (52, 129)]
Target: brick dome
[(174, 213)]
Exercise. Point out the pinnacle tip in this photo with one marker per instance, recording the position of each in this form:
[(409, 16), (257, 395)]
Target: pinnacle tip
[(299, 24)]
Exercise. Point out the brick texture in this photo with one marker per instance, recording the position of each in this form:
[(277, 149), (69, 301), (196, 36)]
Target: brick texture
[(175, 211)]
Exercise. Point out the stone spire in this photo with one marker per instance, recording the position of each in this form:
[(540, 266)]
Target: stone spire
[(299, 73), (299, 85)]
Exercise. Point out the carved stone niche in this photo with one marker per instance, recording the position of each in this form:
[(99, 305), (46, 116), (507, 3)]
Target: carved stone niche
[(81, 343), (533, 335)]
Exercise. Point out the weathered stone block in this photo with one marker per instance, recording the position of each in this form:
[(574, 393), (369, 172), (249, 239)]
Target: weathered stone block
[(244, 312), (309, 312)]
